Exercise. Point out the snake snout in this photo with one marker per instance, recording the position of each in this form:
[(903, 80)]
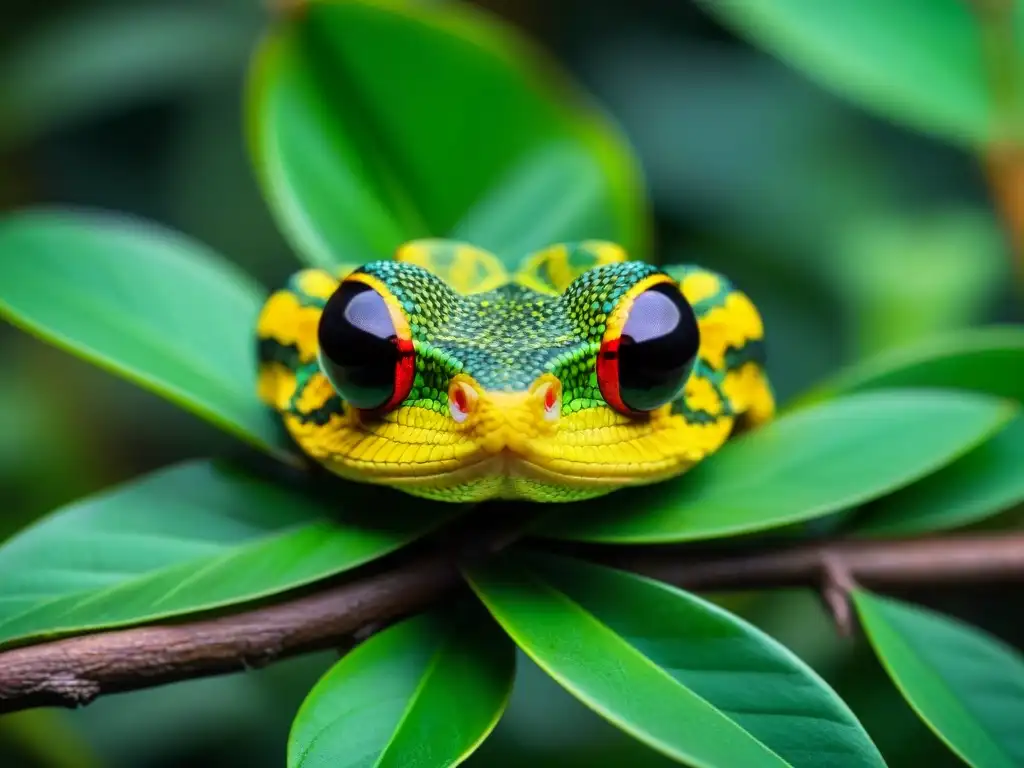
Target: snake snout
[(507, 421)]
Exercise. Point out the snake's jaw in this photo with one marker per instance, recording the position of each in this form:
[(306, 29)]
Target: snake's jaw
[(507, 422), (524, 443)]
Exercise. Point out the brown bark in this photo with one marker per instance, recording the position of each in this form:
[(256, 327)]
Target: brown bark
[(74, 671)]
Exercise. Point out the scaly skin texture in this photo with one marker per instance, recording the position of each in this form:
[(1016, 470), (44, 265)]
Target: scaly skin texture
[(508, 340)]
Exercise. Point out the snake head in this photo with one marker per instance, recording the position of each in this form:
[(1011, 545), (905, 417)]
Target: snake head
[(583, 373)]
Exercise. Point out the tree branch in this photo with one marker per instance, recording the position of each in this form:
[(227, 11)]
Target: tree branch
[(74, 671), (875, 563)]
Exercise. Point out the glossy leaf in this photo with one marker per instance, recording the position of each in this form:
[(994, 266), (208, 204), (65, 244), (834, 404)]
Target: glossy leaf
[(189, 538), (806, 464), (423, 693), (678, 673), (878, 54), (724, 108), (372, 123), (979, 359), (966, 685), (985, 482), (143, 302)]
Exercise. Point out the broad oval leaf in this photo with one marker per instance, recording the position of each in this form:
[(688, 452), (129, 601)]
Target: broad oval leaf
[(979, 359), (966, 685), (680, 674), (878, 53), (423, 693), (146, 303), (372, 123), (806, 464), (985, 482), (189, 538)]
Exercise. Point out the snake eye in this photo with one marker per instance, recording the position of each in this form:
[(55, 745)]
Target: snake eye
[(647, 365), (361, 351)]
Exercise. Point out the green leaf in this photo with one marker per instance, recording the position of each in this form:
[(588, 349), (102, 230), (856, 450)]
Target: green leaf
[(880, 54), (119, 55), (423, 693), (678, 673), (806, 464), (145, 303), (966, 685), (978, 359), (986, 481), (189, 538), (372, 123)]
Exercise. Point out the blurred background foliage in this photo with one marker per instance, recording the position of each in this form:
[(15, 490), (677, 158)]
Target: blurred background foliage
[(853, 234)]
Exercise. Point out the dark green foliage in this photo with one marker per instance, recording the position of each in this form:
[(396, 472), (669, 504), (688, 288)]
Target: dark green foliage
[(372, 123)]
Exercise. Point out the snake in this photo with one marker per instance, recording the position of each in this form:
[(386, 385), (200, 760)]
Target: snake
[(576, 372)]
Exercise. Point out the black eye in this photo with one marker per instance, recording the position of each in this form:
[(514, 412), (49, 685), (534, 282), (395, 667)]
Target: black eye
[(648, 364), (361, 351)]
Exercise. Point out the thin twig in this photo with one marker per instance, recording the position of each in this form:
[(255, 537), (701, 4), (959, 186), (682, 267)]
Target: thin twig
[(74, 671), (873, 563), (836, 586)]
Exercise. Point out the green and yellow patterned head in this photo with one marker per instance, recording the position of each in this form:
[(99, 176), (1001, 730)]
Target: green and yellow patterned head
[(440, 374)]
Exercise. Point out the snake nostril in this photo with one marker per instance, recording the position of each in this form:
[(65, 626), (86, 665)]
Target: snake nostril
[(552, 401), (461, 399)]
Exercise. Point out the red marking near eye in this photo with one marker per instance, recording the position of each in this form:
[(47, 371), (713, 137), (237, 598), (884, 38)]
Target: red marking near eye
[(550, 398), (608, 375), (461, 401), (405, 372)]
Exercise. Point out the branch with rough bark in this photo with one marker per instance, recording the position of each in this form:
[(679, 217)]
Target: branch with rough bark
[(74, 671)]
